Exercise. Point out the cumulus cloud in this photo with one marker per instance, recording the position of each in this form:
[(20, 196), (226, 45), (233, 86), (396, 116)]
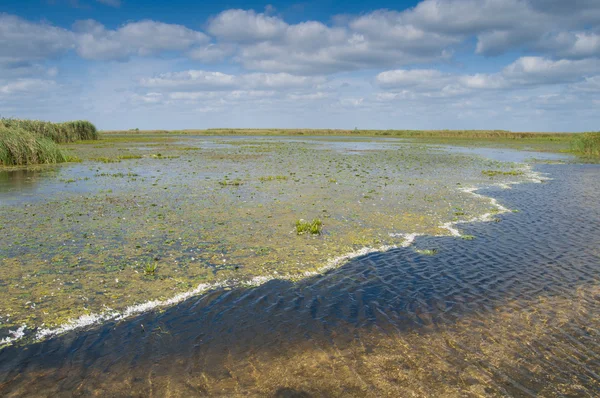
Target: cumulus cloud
[(143, 38), (245, 25), (523, 73), (23, 42)]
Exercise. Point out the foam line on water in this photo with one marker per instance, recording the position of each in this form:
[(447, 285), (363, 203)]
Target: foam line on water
[(408, 239)]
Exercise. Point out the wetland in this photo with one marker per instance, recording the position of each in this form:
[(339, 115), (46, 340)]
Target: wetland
[(186, 265)]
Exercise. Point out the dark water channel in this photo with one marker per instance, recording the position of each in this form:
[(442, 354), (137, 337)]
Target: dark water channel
[(543, 261)]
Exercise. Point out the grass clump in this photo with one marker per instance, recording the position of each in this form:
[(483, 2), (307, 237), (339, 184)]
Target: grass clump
[(21, 147), (150, 268), (26, 142), (314, 227), (587, 144)]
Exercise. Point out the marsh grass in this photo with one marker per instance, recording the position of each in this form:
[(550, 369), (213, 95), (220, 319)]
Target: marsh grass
[(314, 227), (587, 144), (21, 147), (27, 142), (79, 130)]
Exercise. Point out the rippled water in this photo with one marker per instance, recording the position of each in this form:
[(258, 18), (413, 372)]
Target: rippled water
[(512, 312)]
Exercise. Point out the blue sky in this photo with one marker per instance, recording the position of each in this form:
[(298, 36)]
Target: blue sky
[(521, 65)]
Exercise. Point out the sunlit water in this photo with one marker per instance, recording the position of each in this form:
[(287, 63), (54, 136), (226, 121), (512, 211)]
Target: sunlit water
[(513, 311)]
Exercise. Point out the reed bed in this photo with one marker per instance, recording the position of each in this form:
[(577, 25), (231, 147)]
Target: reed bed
[(28, 142), (58, 132), (21, 147), (587, 144)]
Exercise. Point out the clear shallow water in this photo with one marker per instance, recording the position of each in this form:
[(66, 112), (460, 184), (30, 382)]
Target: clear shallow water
[(512, 312)]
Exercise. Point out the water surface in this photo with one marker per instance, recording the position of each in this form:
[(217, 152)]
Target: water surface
[(512, 312)]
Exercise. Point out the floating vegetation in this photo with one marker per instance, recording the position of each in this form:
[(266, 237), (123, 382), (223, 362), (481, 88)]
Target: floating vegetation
[(494, 173), (234, 183), (467, 237), (106, 160), (427, 252), (273, 178), (313, 227), (211, 216), (161, 156)]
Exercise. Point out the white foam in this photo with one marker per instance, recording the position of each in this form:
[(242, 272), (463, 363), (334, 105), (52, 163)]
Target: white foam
[(16, 335)]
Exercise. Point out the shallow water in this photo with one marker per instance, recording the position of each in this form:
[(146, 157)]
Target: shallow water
[(77, 238), (513, 312)]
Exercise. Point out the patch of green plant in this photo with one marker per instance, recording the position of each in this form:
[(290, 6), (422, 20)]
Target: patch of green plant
[(150, 268), (467, 237), (161, 156), (58, 132), (273, 178), (427, 252), (313, 227), (21, 147), (106, 160), (493, 173), (587, 144), (237, 182)]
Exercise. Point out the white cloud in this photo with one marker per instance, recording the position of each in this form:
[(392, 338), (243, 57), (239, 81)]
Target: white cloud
[(524, 72), (23, 42), (197, 80), (143, 38), (242, 25), (26, 86)]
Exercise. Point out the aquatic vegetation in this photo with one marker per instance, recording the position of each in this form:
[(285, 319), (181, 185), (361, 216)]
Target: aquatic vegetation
[(57, 132), (150, 268), (22, 147), (161, 156), (106, 160), (587, 144), (313, 227), (27, 142), (494, 173), (234, 183), (207, 234), (273, 178), (427, 252), (467, 237)]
